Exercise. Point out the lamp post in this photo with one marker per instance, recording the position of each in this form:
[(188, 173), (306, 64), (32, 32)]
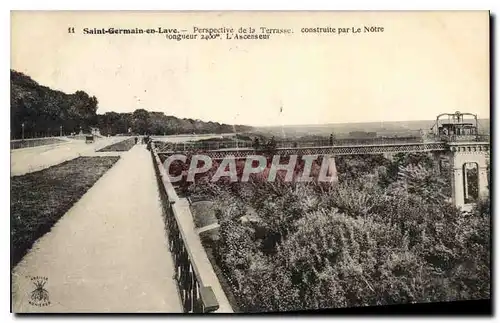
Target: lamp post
[(60, 131), (22, 126)]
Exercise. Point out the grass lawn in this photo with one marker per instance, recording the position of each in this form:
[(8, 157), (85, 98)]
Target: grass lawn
[(124, 145), (40, 199), (34, 142)]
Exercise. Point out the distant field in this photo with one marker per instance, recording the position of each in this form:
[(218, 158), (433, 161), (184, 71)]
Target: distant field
[(40, 199), (124, 145), (17, 144), (401, 128)]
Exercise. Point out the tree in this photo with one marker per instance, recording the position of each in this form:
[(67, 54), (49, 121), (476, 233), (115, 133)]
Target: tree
[(422, 182), (43, 110), (355, 243), (140, 123), (472, 184)]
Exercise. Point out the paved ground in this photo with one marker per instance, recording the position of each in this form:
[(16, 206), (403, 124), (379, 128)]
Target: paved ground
[(28, 160), (108, 253)]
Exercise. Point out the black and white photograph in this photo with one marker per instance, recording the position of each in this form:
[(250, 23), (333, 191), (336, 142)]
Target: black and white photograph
[(248, 162)]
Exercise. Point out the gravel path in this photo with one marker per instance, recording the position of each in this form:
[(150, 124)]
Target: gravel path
[(108, 253)]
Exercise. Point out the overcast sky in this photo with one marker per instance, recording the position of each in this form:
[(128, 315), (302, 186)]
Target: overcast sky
[(422, 64)]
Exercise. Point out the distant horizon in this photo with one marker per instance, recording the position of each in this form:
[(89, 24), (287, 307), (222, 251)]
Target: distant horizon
[(305, 124), (347, 123), (291, 125)]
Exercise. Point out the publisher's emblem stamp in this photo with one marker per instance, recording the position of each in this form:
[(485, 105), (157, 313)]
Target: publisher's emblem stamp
[(39, 295)]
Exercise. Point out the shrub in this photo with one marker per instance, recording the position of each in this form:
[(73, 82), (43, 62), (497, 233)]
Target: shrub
[(353, 244)]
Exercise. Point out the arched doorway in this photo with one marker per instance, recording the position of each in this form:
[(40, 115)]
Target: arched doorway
[(471, 182)]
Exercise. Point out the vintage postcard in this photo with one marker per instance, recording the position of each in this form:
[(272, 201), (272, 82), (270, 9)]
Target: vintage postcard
[(250, 162)]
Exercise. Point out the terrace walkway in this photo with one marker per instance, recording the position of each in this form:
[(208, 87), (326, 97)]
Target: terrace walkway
[(27, 160), (108, 253)]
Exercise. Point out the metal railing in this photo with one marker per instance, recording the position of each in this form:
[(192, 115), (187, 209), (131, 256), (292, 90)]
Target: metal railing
[(346, 142), (245, 145), (195, 296), (206, 145), (466, 138)]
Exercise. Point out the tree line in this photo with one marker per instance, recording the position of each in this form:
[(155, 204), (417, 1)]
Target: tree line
[(38, 110), (157, 123)]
